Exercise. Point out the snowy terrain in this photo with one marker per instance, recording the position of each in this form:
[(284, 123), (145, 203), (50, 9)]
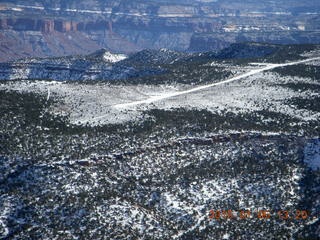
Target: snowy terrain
[(113, 57), (255, 89), (149, 160)]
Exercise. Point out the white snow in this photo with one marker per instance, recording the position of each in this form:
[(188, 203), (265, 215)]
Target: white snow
[(251, 90), (48, 95), (5, 209), (226, 236), (110, 57), (170, 95)]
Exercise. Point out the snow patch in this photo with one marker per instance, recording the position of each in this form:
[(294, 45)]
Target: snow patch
[(113, 58)]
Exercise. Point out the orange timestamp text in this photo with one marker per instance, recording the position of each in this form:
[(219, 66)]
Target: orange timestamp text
[(258, 214)]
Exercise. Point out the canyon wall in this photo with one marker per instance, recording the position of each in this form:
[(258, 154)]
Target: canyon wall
[(38, 28)]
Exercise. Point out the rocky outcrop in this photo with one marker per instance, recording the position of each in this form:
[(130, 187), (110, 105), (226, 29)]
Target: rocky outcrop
[(44, 25), (48, 26), (66, 26)]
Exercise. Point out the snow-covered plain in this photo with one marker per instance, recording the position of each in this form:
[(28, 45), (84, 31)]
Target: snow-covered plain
[(196, 89), (255, 89)]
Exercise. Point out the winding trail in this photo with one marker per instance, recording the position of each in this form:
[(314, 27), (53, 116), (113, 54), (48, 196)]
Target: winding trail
[(174, 94)]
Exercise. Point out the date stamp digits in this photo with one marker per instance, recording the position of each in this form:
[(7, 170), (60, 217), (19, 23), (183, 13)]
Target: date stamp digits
[(259, 214)]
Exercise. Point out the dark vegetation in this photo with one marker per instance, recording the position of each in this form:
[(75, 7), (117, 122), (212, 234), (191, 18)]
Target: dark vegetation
[(290, 52), (40, 153), (311, 103), (185, 73), (197, 121), (300, 70), (259, 52), (25, 120), (302, 86)]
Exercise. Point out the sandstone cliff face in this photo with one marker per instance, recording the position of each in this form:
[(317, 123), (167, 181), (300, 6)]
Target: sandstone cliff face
[(41, 28)]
